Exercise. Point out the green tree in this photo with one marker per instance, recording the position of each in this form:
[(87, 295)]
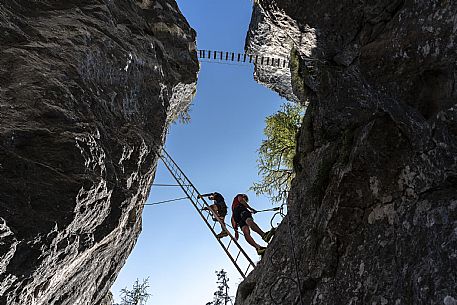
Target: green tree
[(221, 296), (138, 295), (277, 151)]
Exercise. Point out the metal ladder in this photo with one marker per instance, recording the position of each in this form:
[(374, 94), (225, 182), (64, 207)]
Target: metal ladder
[(232, 248)]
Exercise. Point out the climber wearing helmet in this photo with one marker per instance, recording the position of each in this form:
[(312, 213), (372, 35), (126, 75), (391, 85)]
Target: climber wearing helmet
[(242, 217)]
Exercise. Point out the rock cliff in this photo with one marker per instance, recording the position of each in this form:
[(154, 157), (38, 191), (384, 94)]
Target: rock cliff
[(373, 209), (87, 89)]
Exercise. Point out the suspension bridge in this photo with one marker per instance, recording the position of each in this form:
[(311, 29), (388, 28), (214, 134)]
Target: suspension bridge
[(242, 58)]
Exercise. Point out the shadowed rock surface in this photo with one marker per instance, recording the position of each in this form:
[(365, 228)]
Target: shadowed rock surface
[(87, 89), (373, 208)]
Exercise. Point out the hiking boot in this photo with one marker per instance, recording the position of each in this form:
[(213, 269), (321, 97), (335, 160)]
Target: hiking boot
[(261, 250), (222, 235), (267, 237)]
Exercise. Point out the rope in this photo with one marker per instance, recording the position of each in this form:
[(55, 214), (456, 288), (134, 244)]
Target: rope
[(269, 210), (225, 63), (158, 184), (165, 201), (182, 198), (295, 260), (296, 281)]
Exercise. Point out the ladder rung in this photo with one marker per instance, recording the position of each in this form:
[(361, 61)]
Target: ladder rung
[(247, 269), (238, 255), (192, 192)]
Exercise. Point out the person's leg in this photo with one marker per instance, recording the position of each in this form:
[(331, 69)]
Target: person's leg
[(213, 207), (250, 222), (223, 226), (214, 211), (224, 231), (248, 237)]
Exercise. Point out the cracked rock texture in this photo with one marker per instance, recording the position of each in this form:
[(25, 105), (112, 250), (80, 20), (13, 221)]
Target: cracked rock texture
[(373, 209), (87, 89)]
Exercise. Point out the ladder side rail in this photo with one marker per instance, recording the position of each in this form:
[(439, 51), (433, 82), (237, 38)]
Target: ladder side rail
[(211, 229), (206, 205)]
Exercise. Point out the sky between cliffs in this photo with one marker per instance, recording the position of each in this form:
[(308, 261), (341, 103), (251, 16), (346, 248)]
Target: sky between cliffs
[(217, 151)]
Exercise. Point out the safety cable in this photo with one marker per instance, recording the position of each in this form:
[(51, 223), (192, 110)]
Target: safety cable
[(182, 198), (225, 63), (269, 210), (296, 281), (165, 201), (159, 184)]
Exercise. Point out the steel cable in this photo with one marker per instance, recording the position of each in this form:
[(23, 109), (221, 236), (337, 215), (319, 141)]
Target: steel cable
[(294, 258)]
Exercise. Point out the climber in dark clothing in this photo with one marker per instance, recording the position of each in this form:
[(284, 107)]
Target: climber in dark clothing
[(219, 208), (242, 217)]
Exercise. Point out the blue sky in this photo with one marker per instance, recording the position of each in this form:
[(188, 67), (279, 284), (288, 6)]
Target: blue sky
[(217, 151)]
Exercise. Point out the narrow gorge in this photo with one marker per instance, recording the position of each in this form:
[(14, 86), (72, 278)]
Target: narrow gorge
[(88, 89)]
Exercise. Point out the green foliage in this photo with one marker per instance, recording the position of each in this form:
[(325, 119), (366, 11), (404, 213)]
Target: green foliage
[(138, 295), (277, 151), (221, 296), (298, 83)]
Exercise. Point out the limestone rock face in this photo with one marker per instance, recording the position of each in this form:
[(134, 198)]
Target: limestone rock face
[(274, 39), (373, 209), (86, 91)]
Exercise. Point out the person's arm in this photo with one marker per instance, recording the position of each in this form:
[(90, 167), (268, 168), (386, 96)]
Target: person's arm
[(235, 227), (205, 195), (246, 204)]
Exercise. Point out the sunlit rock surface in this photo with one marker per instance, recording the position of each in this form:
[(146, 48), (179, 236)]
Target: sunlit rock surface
[(274, 34), (373, 209), (86, 90)]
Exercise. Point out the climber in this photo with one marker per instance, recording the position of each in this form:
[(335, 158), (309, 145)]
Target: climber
[(242, 217), (219, 208)]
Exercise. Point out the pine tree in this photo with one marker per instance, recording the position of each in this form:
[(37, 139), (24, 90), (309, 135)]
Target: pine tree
[(221, 296), (138, 295), (277, 151)]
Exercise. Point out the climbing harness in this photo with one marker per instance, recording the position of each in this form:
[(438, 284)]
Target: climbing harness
[(259, 60), (240, 259)]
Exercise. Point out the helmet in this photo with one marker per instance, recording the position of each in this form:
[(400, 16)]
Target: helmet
[(245, 197)]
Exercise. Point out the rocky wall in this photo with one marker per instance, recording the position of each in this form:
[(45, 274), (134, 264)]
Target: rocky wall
[(87, 89), (373, 208)]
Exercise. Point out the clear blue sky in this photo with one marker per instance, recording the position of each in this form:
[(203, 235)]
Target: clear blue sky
[(217, 151)]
